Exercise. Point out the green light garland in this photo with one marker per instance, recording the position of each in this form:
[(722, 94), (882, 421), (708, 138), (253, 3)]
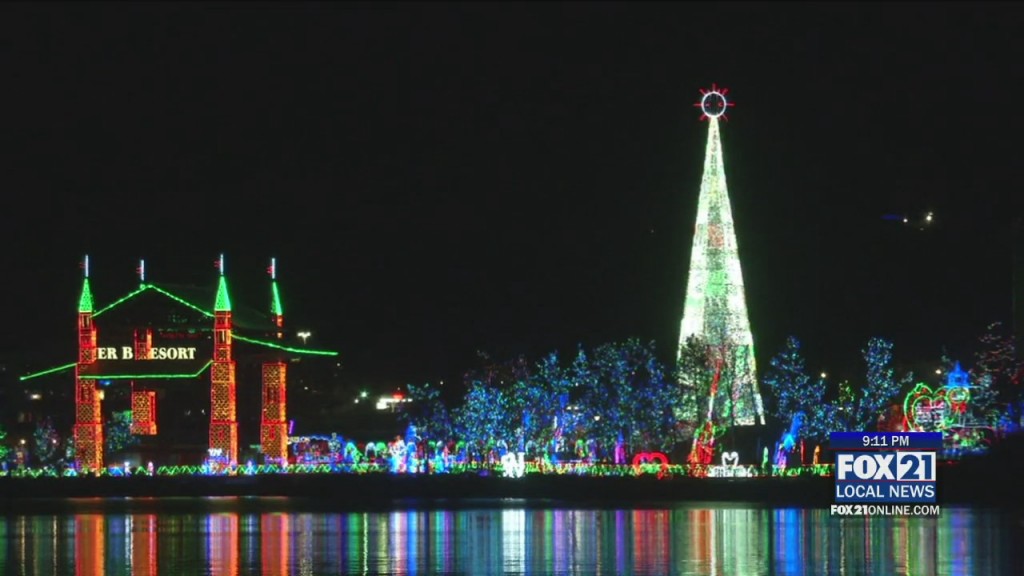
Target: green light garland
[(122, 300), (284, 348), (47, 372), (180, 300), (85, 304), (532, 467)]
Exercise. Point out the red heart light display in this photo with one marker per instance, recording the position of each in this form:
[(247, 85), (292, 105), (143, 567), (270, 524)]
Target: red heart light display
[(650, 458)]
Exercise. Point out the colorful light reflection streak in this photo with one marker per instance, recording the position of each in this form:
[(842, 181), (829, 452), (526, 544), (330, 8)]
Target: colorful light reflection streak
[(720, 541)]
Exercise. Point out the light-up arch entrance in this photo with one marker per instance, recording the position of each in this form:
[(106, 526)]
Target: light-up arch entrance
[(126, 342)]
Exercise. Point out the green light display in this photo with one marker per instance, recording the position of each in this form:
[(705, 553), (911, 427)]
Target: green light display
[(143, 288), (85, 300), (86, 304), (47, 372), (146, 376), (275, 304), (179, 300), (223, 302), (284, 348), (122, 300)]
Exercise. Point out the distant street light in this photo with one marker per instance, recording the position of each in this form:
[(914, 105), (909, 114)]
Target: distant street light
[(824, 375), (305, 336)]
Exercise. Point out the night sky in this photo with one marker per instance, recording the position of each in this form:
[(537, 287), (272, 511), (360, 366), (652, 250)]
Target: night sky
[(517, 178)]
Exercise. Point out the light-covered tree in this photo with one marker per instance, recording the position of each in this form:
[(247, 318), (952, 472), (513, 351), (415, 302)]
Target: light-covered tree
[(118, 432), (794, 392), (997, 373), (860, 410), (46, 443), (4, 449), (428, 412)]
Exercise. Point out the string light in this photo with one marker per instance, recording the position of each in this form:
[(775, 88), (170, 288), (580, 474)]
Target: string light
[(715, 309)]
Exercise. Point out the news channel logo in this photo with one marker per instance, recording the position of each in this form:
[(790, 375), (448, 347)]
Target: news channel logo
[(885, 468)]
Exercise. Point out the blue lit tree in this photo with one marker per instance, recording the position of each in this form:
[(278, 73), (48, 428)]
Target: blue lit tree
[(787, 378), (853, 411), (650, 400), (428, 412), (485, 415), (794, 391), (629, 396), (538, 396), (572, 421), (602, 413)]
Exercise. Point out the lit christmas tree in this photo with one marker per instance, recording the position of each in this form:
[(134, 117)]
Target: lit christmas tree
[(46, 442), (716, 309), (3, 446)]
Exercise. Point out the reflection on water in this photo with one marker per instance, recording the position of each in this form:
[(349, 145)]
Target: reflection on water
[(680, 540)]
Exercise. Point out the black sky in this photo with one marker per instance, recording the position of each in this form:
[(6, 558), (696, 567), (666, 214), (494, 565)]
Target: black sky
[(438, 179)]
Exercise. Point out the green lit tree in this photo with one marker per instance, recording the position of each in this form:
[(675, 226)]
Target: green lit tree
[(4, 449), (46, 443), (118, 432)]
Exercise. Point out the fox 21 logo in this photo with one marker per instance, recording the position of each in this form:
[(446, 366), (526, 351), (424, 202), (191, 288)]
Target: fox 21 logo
[(886, 466)]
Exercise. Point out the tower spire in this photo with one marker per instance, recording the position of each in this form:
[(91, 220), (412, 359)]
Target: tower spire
[(223, 413), (223, 301), (88, 430), (85, 302), (141, 271), (275, 296), (715, 309)]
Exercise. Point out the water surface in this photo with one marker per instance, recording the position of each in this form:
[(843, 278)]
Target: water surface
[(228, 537)]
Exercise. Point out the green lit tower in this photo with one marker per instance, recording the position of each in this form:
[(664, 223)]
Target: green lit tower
[(715, 309)]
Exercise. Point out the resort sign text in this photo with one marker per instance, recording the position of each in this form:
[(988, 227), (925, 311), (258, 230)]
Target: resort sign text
[(155, 353)]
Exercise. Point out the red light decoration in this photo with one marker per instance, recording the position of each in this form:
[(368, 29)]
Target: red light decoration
[(713, 103), (223, 432), (274, 422), (223, 400), (143, 343), (223, 417), (144, 412), (88, 429), (651, 458)]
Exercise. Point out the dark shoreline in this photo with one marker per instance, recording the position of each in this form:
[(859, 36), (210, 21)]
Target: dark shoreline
[(961, 485)]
